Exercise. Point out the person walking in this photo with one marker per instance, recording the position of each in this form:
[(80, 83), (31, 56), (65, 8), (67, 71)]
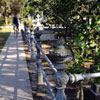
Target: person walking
[(15, 25)]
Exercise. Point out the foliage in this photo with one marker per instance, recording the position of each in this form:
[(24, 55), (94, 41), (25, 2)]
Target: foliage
[(10, 7), (80, 17), (10, 21), (85, 45), (1, 21), (17, 6), (26, 20), (26, 9), (32, 7), (95, 68)]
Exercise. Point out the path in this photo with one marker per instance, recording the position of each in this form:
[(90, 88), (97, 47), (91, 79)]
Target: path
[(14, 78)]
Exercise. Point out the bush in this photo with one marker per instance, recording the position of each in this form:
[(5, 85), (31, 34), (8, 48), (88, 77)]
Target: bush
[(10, 20), (2, 21), (26, 20)]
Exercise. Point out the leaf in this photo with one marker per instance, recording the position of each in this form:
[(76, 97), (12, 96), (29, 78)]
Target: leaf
[(88, 51), (88, 27), (84, 32), (98, 28)]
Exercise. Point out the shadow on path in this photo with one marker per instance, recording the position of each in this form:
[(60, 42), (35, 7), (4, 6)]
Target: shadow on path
[(14, 77)]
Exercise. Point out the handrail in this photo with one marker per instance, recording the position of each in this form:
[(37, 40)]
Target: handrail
[(91, 75), (46, 80), (61, 78), (39, 64), (47, 59), (43, 73)]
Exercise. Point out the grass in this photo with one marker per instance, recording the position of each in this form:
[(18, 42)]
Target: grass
[(4, 34)]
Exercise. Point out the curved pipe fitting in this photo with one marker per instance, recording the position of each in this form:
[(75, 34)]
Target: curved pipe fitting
[(78, 77), (75, 77)]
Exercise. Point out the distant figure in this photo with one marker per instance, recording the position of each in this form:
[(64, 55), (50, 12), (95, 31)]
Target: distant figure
[(15, 23)]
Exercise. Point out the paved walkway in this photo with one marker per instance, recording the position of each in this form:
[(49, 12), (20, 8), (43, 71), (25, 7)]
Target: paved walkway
[(14, 78)]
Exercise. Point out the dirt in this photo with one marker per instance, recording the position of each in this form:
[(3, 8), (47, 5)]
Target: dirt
[(39, 91)]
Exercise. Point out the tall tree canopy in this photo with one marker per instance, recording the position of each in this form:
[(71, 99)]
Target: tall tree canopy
[(10, 7)]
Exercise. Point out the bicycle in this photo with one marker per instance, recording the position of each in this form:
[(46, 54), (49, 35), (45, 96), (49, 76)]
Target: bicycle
[(16, 30)]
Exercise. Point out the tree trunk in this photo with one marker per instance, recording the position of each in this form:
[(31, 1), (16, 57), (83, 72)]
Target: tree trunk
[(6, 21)]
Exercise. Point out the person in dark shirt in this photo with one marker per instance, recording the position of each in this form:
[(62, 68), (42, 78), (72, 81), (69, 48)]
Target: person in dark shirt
[(15, 22)]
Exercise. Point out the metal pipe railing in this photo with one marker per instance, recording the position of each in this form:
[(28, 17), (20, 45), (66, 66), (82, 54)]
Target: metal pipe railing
[(33, 55), (92, 75), (38, 46), (40, 69), (27, 35), (46, 58), (78, 77), (61, 78), (47, 82)]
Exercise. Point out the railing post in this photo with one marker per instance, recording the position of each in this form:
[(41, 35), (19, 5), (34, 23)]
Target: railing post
[(61, 78), (38, 57), (33, 55), (28, 38), (27, 35), (25, 32)]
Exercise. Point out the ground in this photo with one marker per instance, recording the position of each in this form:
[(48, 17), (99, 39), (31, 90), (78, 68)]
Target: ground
[(40, 92), (4, 34)]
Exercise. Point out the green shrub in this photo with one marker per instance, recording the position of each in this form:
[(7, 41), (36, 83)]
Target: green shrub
[(85, 47), (10, 20), (95, 68), (2, 22), (26, 20)]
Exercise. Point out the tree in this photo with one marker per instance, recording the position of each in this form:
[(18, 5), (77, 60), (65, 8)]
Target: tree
[(86, 24), (10, 7), (26, 9), (17, 6), (5, 8)]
